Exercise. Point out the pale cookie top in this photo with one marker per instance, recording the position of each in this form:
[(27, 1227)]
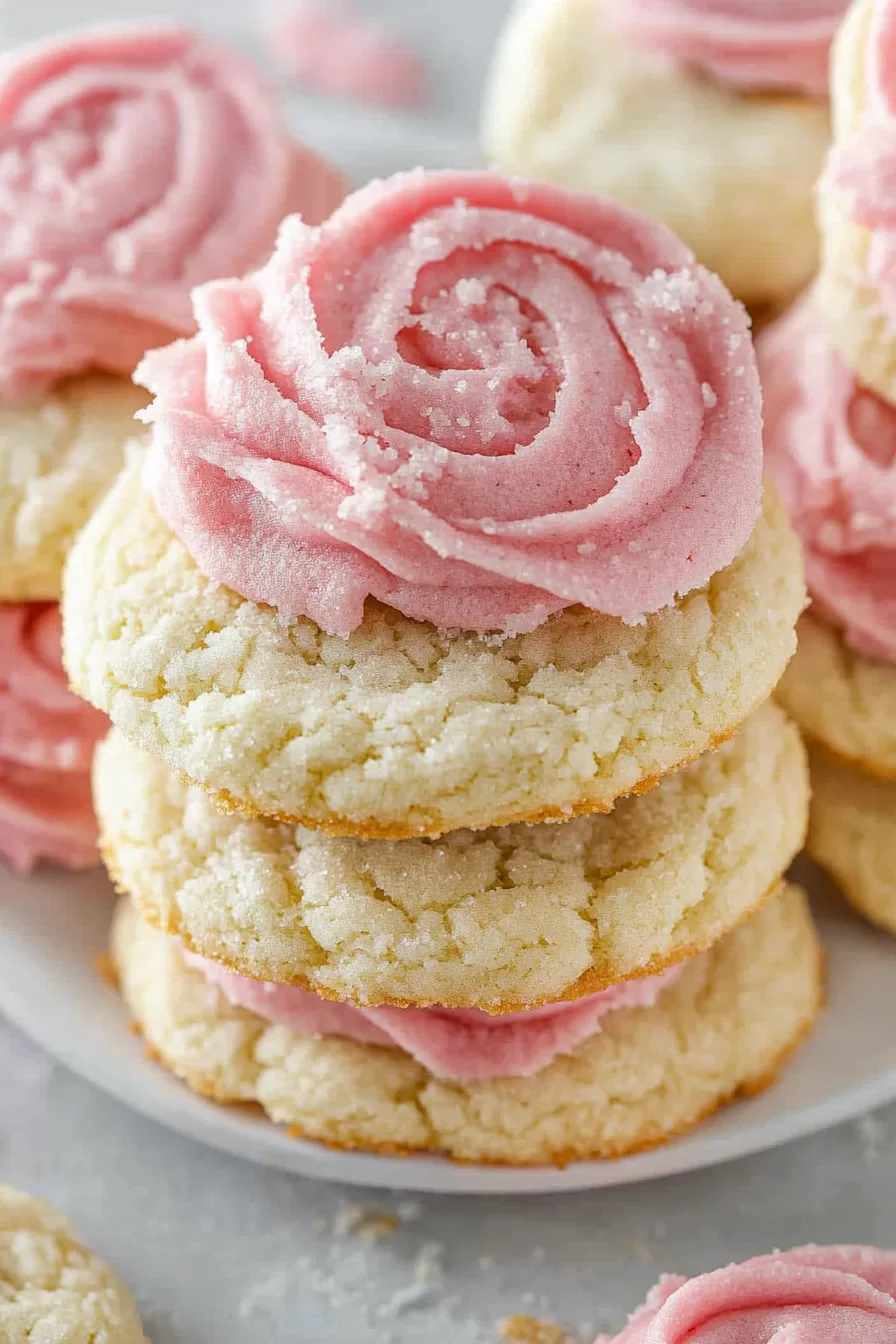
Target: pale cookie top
[(842, 698), (57, 459), (491, 919), (135, 162), (572, 100), (402, 729), (477, 399), (52, 1288)]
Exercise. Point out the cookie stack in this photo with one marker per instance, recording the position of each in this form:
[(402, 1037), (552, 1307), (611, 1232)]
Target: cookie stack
[(711, 116), (447, 567), (121, 189), (828, 373)]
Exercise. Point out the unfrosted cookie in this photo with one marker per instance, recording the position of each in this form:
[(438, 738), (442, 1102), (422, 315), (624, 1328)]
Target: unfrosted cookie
[(401, 729), (58, 457), (503, 918), (53, 1290), (842, 699), (570, 101), (852, 834), (854, 287), (723, 1028)]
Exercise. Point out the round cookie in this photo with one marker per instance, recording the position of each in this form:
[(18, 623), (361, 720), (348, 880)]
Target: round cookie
[(501, 919), (570, 102), (848, 298), (52, 1288), (402, 729), (842, 698), (852, 834), (722, 1029), (57, 459)]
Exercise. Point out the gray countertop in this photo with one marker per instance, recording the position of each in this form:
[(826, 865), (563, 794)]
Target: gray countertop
[(222, 1252)]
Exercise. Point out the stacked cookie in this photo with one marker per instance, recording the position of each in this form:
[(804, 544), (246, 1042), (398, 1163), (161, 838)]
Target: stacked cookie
[(134, 163), (831, 443), (712, 117), (451, 527)]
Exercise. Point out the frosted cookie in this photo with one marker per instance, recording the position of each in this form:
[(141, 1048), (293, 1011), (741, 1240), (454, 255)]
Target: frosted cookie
[(831, 451), (819, 1293), (135, 163), (639, 1074), (498, 919), (856, 287), (47, 737), (710, 116), (853, 835), (52, 1288), (502, 562)]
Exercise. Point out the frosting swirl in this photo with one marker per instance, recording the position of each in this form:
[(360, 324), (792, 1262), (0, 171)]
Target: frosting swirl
[(477, 399), (811, 1295), (831, 450), (450, 1042), (861, 170), (47, 737), (135, 163), (752, 44)]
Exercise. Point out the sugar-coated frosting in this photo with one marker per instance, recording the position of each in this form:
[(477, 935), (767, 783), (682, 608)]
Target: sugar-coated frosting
[(450, 1043), (752, 44), (861, 170), (135, 162), (811, 1295), (328, 47), (478, 399), (831, 451), (47, 737)]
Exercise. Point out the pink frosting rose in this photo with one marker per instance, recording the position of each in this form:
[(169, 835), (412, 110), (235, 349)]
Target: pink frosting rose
[(475, 398), (47, 737), (450, 1043), (812, 1295), (862, 170), (328, 47), (135, 162), (831, 450), (752, 44)]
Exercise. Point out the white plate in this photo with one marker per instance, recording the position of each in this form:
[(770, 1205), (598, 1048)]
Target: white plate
[(53, 926)]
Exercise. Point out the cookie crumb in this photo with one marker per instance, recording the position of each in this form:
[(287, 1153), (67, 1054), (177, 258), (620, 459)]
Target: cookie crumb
[(107, 970), (528, 1330)]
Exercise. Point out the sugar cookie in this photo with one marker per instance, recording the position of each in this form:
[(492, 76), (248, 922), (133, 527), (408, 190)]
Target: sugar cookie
[(52, 1288), (575, 98), (852, 834), (497, 919), (722, 1028)]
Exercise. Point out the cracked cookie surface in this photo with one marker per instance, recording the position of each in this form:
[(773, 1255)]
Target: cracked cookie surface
[(402, 729), (498, 919), (52, 1288), (57, 459), (842, 699), (853, 836), (723, 1028)]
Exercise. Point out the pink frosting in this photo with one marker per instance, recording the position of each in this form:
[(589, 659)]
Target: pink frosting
[(47, 737), (752, 44), (812, 1295), (862, 170), (831, 450), (478, 399), (450, 1043), (327, 47), (134, 163)]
